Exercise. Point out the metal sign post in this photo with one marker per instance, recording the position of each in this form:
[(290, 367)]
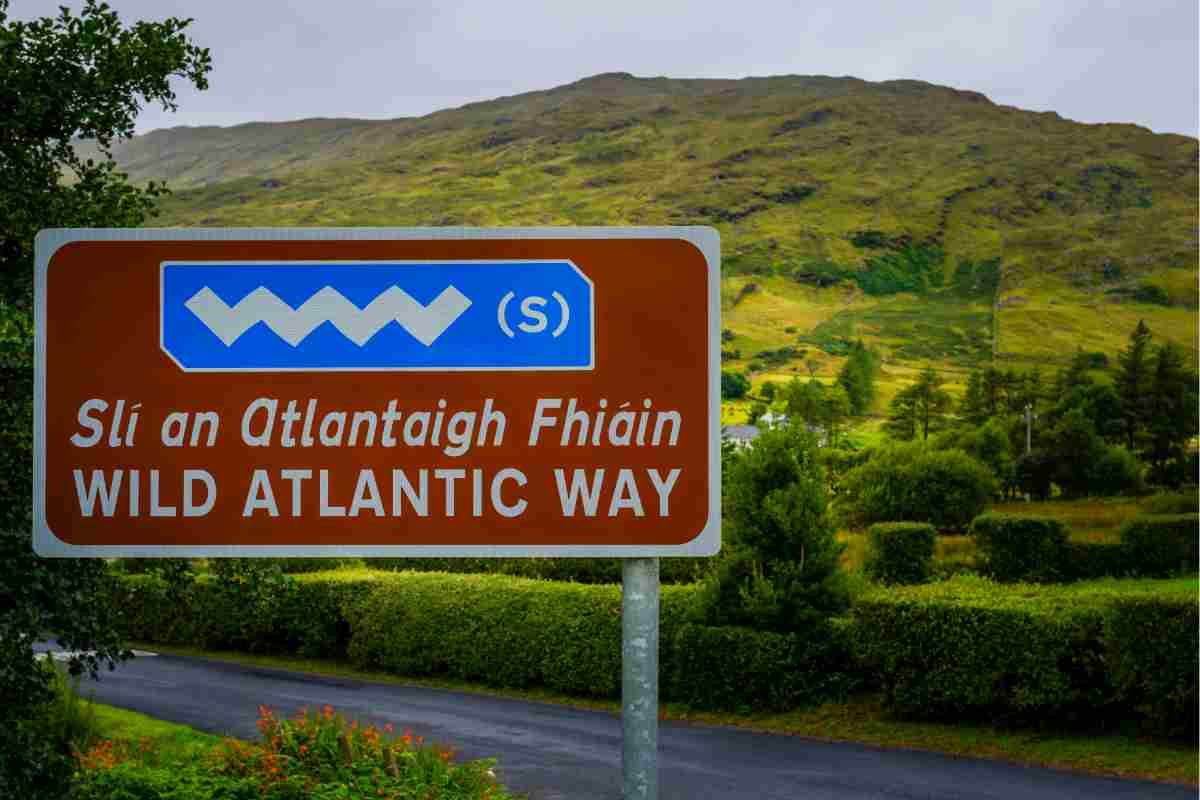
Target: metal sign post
[(639, 678)]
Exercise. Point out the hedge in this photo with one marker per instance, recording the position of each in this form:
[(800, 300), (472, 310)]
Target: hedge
[(745, 670), (970, 648), (1153, 650), (1162, 545), (577, 570), (966, 647), (1019, 548), (900, 552)]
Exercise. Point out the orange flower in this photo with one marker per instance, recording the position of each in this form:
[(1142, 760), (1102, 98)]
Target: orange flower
[(328, 711), (303, 749)]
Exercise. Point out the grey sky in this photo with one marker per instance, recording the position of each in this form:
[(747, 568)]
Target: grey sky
[(1106, 61)]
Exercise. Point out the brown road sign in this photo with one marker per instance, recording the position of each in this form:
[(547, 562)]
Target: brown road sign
[(376, 392)]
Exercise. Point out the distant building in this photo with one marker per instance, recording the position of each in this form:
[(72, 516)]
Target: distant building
[(740, 435), (772, 420)]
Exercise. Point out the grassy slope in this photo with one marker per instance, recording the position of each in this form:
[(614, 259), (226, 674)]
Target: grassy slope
[(787, 168)]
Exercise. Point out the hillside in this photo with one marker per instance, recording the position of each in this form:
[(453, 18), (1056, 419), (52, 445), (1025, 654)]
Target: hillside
[(942, 227)]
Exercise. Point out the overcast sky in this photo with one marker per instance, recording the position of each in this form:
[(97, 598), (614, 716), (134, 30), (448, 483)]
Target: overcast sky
[(1103, 61)]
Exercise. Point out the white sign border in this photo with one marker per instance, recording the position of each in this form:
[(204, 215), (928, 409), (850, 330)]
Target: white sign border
[(706, 543)]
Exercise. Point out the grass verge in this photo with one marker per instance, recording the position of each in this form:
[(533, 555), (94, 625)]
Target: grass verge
[(862, 720)]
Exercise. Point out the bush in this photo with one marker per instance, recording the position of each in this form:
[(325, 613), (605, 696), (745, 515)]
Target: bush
[(945, 653), (1185, 501), (734, 385), (1152, 652), (500, 630), (298, 566), (1116, 471), (900, 552), (1088, 560), (911, 483), (740, 669), (781, 572), (578, 570), (1016, 548), (1162, 545)]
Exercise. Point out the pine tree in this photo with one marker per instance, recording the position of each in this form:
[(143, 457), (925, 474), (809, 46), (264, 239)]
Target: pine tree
[(1171, 403), (974, 403), (1133, 380), (902, 416)]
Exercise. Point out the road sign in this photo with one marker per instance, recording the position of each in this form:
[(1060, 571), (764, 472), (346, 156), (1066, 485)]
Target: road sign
[(375, 392)]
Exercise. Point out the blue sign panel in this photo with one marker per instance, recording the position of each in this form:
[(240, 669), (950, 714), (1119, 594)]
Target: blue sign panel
[(436, 315)]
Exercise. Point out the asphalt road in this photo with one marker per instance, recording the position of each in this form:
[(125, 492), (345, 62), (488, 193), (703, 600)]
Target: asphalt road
[(552, 752)]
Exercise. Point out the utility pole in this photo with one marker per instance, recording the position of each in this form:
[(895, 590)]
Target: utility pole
[(1029, 417)]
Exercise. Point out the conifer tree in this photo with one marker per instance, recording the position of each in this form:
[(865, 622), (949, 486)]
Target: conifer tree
[(1133, 381)]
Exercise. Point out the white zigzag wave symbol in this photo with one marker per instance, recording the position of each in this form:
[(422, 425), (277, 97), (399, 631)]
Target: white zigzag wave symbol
[(426, 323)]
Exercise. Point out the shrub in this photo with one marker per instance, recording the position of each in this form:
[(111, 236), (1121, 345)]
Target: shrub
[(911, 483), (1185, 501), (900, 552), (740, 669), (782, 571), (1115, 471), (1162, 545), (1087, 560), (1016, 548), (577, 570), (734, 385), (1152, 652), (500, 630), (297, 566), (942, 652)]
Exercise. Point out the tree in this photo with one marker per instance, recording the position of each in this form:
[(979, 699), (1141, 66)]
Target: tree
[(64, 78), (782, 571), (974, 408), (857, 378), (1133, 381), (837, 408), (806, 401), (1172, 409), (734, 385), (902, 415), (768, 391), (920, 408)]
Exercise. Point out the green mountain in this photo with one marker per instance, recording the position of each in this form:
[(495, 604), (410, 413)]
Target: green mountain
[(930, 221)]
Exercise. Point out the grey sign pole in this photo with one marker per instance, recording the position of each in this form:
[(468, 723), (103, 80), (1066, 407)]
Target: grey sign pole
[(639, 678)]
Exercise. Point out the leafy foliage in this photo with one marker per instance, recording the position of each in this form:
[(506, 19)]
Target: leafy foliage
[(966, 648), (734, 385), (64, 77), (1162, 545), (1016, 548), (912, 483), (782, 572), (900, 552)]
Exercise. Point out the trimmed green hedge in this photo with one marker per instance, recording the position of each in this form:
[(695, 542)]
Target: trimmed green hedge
[(577, 570), (746, 670), (1162, 545), (970, 648), (1019, 548), (900, 552), (959, 648), (1154, 657)]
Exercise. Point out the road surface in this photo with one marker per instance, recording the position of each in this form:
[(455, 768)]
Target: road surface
[(552, 752)]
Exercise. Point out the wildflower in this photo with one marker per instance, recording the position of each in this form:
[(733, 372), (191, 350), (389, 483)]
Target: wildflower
[(328, 711), (389, 728)]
